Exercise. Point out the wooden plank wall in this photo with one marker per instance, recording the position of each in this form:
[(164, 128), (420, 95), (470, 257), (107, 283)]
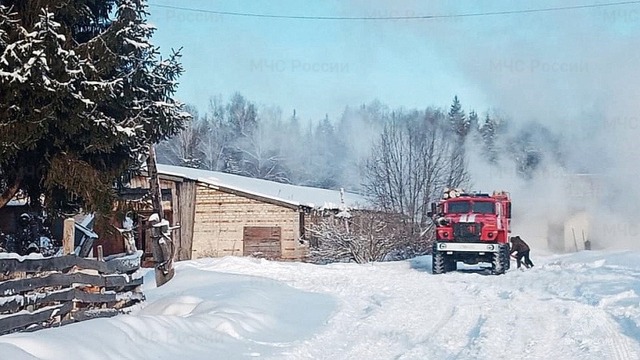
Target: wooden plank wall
[(220, 219), (142, 182), (262, 241), (186, 195)]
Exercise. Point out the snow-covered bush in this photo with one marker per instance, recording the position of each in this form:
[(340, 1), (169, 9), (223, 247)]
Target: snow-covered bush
[(364, 236)]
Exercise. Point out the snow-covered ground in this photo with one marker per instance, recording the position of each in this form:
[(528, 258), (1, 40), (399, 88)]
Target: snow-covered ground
[(577, 306)]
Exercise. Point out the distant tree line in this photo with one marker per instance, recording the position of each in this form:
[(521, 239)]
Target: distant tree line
[(424, 150), (238, 137)]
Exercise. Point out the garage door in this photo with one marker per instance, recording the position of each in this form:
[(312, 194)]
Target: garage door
[(262, 241)]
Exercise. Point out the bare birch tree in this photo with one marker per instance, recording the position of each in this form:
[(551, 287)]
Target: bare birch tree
[(262, 155), (184, 148), (216, 136), (410, 165)]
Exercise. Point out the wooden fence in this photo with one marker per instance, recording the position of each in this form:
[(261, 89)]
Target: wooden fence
[(36, 293)]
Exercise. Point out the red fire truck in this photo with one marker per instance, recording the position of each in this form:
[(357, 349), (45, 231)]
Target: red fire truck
[(471, 228)]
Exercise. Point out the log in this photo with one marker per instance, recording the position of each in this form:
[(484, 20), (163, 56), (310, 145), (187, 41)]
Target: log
[(19, 302), (82, 315), (109, 282), (21, 320), (126, 264)]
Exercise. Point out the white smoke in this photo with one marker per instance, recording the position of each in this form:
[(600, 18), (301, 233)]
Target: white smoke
[(573, 71)]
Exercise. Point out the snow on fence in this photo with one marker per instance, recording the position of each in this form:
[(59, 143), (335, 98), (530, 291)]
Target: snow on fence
[(37, 293)]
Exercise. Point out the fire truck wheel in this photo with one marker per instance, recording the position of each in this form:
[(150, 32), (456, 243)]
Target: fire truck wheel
[(438, 261), (500, 262)]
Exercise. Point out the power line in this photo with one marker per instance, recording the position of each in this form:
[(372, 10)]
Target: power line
[(409, 17)]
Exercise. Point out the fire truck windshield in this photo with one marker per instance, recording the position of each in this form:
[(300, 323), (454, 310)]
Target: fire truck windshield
[(458, 207), (476, 207), (483, 207)]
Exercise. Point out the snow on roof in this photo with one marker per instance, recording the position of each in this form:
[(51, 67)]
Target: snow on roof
[(291, 194)]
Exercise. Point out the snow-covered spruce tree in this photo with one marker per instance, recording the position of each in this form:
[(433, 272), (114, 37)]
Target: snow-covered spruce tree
[(326, 156), (460, 126), (84, 95), (488, 131)]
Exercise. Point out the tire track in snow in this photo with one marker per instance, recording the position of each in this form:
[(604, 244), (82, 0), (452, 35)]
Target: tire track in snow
[(577, 327), (392, 311), (591, 322), (620, 346), (460, 330)]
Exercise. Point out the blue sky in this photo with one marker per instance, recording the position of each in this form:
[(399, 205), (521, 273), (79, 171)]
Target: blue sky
[(558, 67)]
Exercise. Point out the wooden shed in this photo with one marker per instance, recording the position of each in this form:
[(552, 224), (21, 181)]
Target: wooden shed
[(222, 214)]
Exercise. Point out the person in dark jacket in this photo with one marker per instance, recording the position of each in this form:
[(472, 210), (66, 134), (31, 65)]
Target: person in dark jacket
[(521, 250)]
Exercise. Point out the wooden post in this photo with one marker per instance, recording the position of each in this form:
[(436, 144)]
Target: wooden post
[(154, 183), (162, 245), (100, 253), (68, 237)]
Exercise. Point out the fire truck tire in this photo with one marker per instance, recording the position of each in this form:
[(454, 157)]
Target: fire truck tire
[(507, 255), (441, 263), (500, 262), (438, 263)]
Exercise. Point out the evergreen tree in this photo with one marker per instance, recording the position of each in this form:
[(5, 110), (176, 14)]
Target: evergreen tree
[(293, 149), (326, 165), (488, 133), (458, 121), (460, 126), (84, 96), (474, 124)]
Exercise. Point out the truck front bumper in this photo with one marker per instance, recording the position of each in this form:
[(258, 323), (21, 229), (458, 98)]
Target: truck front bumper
[(467, 247)]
